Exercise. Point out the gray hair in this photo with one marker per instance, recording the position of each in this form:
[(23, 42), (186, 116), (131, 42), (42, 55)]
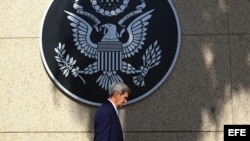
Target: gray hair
[(119, 87)]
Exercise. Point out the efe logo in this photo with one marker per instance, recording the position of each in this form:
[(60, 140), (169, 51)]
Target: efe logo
[(236, 132)]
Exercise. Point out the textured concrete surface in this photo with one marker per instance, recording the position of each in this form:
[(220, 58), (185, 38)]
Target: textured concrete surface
[(22, 18), (208, 87), (202, 16), (69, 136), (29, 100), (238, 16), (174, 136), (240, 48)]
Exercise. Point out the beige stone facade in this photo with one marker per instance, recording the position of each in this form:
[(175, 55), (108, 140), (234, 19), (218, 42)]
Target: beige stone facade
[(208, 87)]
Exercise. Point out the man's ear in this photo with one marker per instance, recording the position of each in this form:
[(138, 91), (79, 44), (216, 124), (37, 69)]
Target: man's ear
[(116, 94)]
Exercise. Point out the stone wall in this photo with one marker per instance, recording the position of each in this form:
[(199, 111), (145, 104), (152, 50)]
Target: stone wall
[(208, 87)]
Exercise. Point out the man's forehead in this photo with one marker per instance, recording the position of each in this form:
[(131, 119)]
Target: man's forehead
[(126, 94)]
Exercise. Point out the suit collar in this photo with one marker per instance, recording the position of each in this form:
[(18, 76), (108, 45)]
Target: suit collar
[(116, 110)]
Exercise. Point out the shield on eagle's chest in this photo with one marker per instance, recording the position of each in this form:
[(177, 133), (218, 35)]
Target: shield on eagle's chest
[(109, 56)]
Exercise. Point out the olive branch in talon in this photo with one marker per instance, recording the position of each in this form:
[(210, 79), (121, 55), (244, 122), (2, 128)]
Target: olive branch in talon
[(67, 63), (151, 58)]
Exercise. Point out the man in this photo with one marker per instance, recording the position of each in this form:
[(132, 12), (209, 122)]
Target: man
[(106, 121)]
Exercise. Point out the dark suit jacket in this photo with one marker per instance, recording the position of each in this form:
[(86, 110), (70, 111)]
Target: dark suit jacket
[(107, 124)]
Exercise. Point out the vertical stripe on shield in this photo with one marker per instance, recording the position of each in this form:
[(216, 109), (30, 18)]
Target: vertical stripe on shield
[(109, 60), (109, 56)]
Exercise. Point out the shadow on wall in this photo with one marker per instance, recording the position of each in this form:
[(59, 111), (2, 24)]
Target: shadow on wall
[(197, 96), (81, 115)]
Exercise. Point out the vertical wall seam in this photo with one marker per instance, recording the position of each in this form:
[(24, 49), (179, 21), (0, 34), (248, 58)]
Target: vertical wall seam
[(230, 60)]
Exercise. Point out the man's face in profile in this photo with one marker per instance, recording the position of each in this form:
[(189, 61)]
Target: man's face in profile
[(120, 100)]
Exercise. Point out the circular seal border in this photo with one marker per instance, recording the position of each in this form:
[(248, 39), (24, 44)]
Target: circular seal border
[(72, 95)]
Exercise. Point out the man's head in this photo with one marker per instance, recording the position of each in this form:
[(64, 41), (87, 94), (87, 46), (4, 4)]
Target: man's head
[(118, 93)]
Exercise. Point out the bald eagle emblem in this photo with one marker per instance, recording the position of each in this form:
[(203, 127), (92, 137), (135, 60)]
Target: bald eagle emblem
[(109, 54)]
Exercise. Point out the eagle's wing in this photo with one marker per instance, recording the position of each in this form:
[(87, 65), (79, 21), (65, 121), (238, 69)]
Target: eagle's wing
[(137, 32), (81, 33)]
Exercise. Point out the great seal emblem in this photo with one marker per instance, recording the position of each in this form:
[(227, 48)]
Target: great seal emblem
[(87, 45)]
